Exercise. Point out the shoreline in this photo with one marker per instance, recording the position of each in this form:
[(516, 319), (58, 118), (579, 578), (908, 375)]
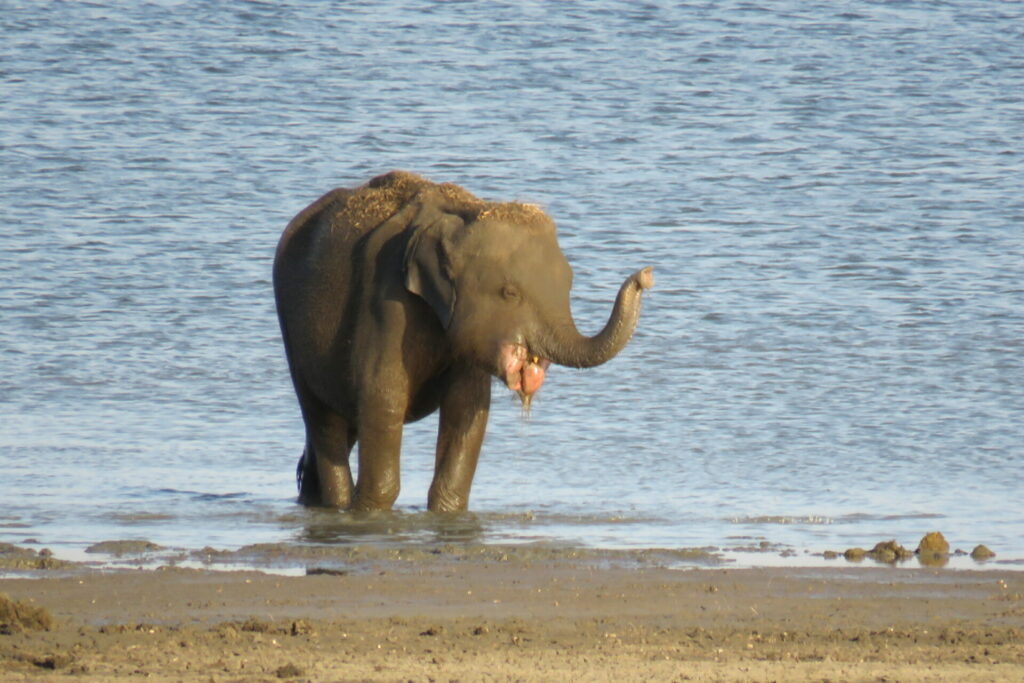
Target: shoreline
[(497, 614), (293, 558)]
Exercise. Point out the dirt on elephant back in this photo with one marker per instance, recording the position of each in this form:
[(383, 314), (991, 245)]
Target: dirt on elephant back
[(380, 198), (377, 200)]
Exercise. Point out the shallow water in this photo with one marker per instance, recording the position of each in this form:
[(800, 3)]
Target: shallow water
[(831, 199)]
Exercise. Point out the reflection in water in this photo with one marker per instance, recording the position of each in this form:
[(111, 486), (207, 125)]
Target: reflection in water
[(930, 559), (391, 527)]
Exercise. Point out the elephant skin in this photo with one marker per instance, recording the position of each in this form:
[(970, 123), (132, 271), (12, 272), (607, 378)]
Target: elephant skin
[(402, 297)]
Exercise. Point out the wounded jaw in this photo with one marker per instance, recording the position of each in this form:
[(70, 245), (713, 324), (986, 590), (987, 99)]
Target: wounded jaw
[(522, 371)]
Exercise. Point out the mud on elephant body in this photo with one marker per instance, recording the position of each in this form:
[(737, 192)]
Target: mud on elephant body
[(402, 297)]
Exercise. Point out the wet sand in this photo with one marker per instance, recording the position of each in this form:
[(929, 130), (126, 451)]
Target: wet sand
[(509, 615)]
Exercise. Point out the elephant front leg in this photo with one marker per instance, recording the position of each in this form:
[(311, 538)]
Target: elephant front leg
[(465, 406)]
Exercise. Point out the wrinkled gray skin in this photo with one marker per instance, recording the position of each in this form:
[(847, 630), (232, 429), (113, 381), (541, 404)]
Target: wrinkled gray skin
[(386, 322)]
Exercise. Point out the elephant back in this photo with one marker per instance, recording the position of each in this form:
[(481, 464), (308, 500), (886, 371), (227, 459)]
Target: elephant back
[(371, 204)]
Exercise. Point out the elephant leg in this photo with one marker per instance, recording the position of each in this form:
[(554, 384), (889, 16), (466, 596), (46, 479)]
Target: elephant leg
[(381, 418), (465, 405), (332, 442), (325, 477)]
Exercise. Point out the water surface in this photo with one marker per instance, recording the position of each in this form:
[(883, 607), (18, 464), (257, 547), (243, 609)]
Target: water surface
[(830, 196)]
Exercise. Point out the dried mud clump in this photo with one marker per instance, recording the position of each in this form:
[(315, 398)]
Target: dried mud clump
[(368, 206), (17, 617), (13, 557), (529, 215)]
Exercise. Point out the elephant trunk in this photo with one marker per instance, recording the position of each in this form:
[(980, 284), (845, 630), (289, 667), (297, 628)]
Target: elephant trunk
[(564, 345)]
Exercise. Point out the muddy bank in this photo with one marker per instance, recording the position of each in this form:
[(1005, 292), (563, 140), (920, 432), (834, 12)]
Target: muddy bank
[(361, 557), (473, 615), (337, 558), (16, 558)]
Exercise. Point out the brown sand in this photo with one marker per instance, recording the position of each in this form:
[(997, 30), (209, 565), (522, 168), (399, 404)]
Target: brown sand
[(504, 618)]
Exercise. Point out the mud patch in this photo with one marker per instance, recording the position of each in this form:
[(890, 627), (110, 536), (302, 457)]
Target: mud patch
[(119, 548), (289, 671), (341, 560), (760, 546), (447, 616)]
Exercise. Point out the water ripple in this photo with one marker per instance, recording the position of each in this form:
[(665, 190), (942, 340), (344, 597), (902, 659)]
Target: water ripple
[(830, 198)]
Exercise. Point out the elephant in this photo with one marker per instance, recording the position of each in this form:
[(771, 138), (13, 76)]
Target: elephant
[(403, 297)]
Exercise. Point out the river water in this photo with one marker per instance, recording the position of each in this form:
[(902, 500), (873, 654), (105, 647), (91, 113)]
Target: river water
[(832, 197)]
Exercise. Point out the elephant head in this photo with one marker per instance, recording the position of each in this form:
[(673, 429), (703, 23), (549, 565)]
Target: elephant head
[(499, 284)]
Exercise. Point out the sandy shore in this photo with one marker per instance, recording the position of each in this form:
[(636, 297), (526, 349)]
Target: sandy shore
[(498, 616)]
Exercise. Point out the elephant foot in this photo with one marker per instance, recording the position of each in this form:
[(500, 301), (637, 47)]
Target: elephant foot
[(319, 488), (446, 502)]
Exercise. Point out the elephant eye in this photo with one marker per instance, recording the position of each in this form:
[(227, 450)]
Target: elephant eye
[(510, 292)]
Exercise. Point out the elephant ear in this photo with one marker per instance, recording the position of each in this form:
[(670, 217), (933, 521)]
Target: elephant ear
[(429, 260)]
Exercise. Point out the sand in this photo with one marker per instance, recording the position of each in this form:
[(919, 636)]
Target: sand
[(509, 615)]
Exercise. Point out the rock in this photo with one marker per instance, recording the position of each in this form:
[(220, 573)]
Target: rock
[(933, 542), (855, 554), (830, 554), (933, 550), (982, 553), (889, 552)]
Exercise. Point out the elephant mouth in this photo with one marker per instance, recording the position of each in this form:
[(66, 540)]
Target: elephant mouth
[(523, 372)]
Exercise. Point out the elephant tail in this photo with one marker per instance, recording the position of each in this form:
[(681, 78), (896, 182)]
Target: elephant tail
[(307, 480)]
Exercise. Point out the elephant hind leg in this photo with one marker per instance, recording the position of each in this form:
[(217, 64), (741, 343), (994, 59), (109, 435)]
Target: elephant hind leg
[(323, 471), (332, 442)]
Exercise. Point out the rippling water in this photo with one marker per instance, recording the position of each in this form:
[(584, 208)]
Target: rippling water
[(831, 197)]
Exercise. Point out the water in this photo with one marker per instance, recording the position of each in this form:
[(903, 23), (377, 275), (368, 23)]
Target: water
[(831, 197)]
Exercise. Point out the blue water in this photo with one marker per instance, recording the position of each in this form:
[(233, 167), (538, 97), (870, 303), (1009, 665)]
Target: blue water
[(832, 197)]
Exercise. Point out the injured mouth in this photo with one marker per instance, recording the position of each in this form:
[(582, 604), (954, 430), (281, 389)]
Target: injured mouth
[(522, 371)]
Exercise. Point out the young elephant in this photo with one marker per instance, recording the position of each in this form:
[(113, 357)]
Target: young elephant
[(404, 296)]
